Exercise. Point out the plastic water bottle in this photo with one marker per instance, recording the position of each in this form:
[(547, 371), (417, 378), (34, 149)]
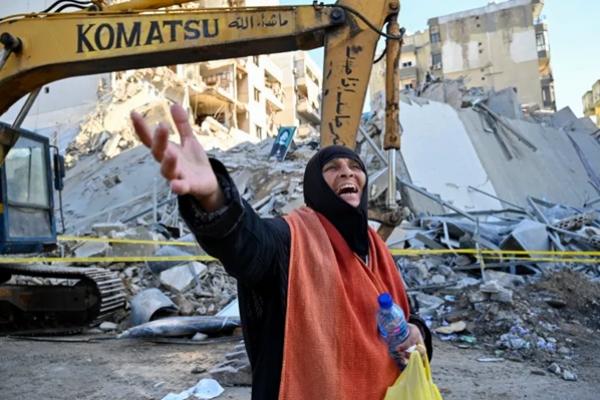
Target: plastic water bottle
[(392, 325)]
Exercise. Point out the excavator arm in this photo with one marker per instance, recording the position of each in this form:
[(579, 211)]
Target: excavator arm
[(41, 48)]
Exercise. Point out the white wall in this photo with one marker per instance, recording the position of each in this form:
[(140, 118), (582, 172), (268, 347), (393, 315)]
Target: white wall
[(440, 156)]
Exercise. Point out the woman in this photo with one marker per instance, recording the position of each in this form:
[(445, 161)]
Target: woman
[(307, 283)]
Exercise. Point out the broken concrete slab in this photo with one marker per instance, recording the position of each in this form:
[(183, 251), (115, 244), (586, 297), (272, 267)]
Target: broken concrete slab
[(502, 296), (111, 147), (490, 287), (134, 249), (108, 228), (92, 249), (506, 280), (527, 235), (233, 375), (167, 251), (183, 277), (427, 303)]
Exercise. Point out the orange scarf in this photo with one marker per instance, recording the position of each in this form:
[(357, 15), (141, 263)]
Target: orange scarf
[(332, 350)]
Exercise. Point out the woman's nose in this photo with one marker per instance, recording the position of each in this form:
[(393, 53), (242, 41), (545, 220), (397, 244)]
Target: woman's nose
[(346, 170)]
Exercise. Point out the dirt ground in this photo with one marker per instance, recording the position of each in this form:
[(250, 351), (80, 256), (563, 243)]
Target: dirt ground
[(129, 369)]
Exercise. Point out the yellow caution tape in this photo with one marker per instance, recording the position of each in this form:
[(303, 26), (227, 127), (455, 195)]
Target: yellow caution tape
[(125, 241), (139, 259), (396, 252), (134, 259), (587, 257), (35, 260)]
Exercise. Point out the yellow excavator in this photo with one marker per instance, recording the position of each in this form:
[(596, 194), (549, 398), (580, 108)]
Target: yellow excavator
[(39, 48)]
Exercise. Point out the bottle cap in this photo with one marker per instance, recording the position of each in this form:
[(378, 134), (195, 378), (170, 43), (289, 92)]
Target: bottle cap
[(385, 300)]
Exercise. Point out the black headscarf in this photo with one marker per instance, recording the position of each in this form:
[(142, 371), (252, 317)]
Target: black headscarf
[(351, 222)]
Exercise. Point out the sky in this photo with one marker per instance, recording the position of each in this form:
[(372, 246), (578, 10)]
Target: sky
[(572, 29)]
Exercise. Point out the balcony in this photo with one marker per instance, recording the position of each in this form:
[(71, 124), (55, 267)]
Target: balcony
[(541, 39), (308, 110), (273, 99), (272, 70), (306, 89), (548, 96)]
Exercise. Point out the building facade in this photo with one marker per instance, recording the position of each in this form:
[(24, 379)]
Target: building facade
[(497, 46), (591, 103), (302, 91)]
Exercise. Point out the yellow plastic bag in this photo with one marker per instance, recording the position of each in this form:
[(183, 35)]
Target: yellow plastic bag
[(415, 382)]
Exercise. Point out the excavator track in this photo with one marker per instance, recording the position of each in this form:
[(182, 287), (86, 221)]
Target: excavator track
[(84, 297)]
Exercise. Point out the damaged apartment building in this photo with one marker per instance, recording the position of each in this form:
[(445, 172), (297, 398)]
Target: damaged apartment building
[(591, 105), (241, 97), (496, 46)]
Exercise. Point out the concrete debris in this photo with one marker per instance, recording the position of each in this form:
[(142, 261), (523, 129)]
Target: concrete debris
[(108, 228), (569, 376), (167, 251), (527, 235), (134, 249), (107, 326), (179, 279), (199, 337), (92, 249), (234, 370)]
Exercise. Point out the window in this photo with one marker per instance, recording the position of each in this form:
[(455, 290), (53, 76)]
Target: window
[(540, 40), (26, 174), (258, 130), (256, 95), (436, 60), (408, 86), (255, 60), (435, 37), (407, 64)]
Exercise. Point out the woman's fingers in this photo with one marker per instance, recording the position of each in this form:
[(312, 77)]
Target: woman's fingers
[(180, 117), (160, 141), (168, 166), (180, 186), (141, 128)]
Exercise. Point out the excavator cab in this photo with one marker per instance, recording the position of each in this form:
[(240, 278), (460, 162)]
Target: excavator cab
[(27, 221)]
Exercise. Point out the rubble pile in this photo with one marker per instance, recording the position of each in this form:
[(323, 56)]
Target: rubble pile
[(107, 131), (540, 319), (543, 227)]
